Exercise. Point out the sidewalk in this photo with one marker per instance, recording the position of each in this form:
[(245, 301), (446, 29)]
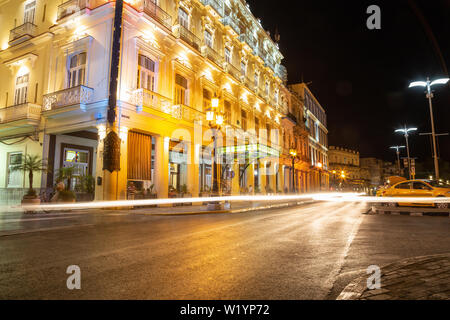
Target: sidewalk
[(419, 278)]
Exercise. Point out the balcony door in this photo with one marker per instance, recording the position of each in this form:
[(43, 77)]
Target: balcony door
[(146, 73), (77, 70), (29, 12), (21, 91), (181, 90), (183, 18)]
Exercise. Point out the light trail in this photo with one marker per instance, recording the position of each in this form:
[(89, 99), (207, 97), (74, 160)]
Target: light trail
[(331, 197)]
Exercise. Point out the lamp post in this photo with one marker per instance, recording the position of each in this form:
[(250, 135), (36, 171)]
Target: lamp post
[(215, 119), (405, 131), (429, 94), (293, 154), (320, 166), (397, 149)]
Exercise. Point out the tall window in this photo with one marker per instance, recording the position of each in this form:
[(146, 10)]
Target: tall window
[(227, 55), (227, 107), (77, 70), (256, 80), (14, 177), (21, 92), (266, 90), (207, 96), (183, 18), (243, 68), (244, 120), (146, 73), (208, 39), (181, 90), (30, 9), (257, 126)]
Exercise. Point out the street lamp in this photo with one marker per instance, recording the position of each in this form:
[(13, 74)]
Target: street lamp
[(293, 154), (405, 131), (215, 119), (429, 94), (397, 149), (320, 166)]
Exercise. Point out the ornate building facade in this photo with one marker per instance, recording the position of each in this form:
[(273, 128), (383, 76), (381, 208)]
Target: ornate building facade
[(175, 59)]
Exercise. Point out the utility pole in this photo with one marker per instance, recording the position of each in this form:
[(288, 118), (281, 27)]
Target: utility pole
[(397, 149)]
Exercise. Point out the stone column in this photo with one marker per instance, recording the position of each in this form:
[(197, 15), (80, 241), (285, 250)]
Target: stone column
[(162, 166), (193, 168)]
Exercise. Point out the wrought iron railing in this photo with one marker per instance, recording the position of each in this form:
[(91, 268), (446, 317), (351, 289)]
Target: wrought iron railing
[(68, 97), (217, 5), (281, 72), (26, 29), (213, 55), (250, 40), (20, 112), (269, 62), (70, 7), (157, 13), (190, 38), (233, 71), (230, 21), (144, 98)]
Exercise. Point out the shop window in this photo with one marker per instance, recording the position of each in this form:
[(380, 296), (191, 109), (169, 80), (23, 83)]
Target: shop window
[(14, 178)]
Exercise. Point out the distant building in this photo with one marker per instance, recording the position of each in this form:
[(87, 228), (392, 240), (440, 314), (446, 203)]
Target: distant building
[(377, 171)]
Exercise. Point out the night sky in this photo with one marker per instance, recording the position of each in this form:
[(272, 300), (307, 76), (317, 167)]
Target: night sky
[(361, 76)]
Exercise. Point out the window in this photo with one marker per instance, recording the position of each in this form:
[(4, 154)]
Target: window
[(183, 18), (77, 70), (405, 185), (266, 90), (181, 90), (208, 39), (227, 55), (421, 186), (227, 107), (243, 68), (146, 73), (256, 79), (14, 177), (276, 97), (21, 91), (30, 9), (257, 126), (268, 130), (244, 120), (207, 96)]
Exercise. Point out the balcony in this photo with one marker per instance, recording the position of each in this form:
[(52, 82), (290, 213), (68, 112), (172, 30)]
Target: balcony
[(281, 73), (230, 22), (212, 55), (158, 14), (291, 117), (79, 95), (144, 98), (188, 37), (269, 62), (217, 5), (22, 33), (25, 111), (70, 7), (233, 71), (249, 40)]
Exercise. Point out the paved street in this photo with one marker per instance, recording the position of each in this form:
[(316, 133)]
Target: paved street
[(307, 252)]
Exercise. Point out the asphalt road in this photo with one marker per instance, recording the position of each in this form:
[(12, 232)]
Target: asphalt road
[(309, 252)]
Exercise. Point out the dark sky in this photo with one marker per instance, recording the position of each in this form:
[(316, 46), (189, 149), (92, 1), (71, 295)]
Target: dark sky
[(361, 76)]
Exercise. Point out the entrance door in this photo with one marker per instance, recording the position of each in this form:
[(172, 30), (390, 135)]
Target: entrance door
[(79, 160)]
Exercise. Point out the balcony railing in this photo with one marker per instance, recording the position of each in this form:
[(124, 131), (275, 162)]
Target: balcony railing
[(231, 22), (217, 5), (190, 38), (27, 30), (249, 40), (148, 99), (269, 62), (70, 7), (157, 13), (281, 72), (233, 71), (20, 112), (262, 53), (212, 55), (68, 97)]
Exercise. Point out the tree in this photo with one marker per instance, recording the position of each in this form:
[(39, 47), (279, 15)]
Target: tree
[(66, 173), (31, 164)]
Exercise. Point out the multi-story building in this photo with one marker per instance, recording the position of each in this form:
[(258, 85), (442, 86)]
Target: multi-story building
[(373, 171), (316, 125), (173, 58), (345, 162)]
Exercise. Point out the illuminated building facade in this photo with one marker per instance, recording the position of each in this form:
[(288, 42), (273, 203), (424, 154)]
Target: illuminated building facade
[(176, 58)]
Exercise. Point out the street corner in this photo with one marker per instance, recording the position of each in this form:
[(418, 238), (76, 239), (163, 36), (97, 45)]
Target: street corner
[(418, 278)]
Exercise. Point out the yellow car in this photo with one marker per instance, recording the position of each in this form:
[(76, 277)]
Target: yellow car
[(418, 188)]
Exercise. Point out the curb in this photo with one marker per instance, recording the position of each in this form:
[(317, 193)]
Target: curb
[(359, 285), (243, 210), (420, 212)]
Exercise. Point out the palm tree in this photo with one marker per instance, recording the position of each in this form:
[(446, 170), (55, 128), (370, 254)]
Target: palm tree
[(66, 173), (31, 164)]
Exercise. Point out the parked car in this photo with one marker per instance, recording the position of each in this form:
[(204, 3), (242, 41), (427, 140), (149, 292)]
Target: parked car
[(418, 188)]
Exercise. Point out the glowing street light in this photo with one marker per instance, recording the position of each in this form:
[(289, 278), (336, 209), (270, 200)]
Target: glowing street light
[(293, 154), (429, 94), (406, 131), (397, 149)]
